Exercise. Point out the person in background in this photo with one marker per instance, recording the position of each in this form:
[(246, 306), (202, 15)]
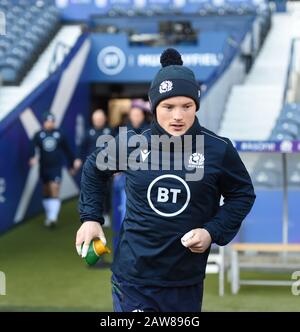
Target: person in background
[(99, 127), (138, 120), (138, 117), (88, 145), (52, 147)]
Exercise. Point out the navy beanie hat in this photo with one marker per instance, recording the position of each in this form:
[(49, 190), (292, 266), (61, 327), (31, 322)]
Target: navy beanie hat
[(173, 80), (47, 116)]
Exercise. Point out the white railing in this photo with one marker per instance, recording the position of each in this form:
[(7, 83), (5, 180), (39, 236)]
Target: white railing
[(292, 93), (2, 23), (59, 53)]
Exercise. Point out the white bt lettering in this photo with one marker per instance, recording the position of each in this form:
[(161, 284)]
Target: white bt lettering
[(163, 194)]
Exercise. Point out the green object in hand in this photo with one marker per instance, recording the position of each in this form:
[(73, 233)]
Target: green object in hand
[(95, 251)]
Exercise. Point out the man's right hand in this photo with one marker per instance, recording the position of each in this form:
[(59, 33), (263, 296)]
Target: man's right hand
[(88, 231), (77, 164), (33, 161)]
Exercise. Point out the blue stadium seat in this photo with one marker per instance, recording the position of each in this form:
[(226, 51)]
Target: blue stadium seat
[(25, 45), (289, 116), (269, 163), (268, 171), (4, 43), (24, 3), (4, 3), (17, 52), (265, 178), (279, 136), (293, 170), (15, 30), (28, 16), (291, 107), (294, 179), (11, 62), (287, 128), (8, 73), (42, 22)]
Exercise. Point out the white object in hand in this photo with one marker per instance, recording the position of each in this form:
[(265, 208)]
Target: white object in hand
[(187, 236)]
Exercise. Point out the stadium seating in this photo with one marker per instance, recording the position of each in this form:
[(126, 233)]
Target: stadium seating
[(263, 91), (30, 27), (254, 109), (268, 169), (288, 123), (204, 8)]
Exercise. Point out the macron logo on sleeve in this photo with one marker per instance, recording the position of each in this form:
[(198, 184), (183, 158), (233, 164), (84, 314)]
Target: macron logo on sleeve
[(144, 154)]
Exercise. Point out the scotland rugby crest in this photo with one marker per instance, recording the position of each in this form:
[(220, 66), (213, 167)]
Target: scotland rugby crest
[(196, 160), (165, 86)]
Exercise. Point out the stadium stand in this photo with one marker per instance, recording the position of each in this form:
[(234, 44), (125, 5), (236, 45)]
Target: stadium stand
[(269, 93), (268, 170), (50, 58), (287, 127), (262, 93), (204, 8), (30, 27)]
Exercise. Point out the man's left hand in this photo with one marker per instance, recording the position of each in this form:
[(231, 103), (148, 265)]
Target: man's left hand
[(197, 240)]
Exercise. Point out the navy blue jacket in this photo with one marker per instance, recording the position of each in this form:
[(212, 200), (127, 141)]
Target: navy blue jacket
[(53, 148), (144, 126), (161, 207), (88, 144)]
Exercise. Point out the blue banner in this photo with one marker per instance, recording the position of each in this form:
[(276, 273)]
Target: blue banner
[(112, 60), (268, 146)]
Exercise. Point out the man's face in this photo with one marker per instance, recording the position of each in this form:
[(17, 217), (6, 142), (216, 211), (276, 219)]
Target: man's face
[(176, 115), (136, 117), (98, 119), (49, 125)]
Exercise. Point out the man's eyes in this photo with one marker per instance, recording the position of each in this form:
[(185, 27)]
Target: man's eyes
[(184, 107)]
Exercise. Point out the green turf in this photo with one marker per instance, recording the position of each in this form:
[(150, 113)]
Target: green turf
[(44, 273)]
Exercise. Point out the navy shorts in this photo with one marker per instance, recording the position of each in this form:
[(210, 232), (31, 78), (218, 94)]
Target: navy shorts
[(51, 175), (129, 297)]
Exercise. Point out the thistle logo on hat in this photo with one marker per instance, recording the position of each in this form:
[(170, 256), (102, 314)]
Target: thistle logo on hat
[(165, 86), (173, 80)]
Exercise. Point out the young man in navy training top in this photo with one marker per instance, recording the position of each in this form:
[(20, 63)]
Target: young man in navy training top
[(52, 148), (170, 223)]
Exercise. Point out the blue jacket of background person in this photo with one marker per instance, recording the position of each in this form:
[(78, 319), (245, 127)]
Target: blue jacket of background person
[(88, 144), (53, 148)]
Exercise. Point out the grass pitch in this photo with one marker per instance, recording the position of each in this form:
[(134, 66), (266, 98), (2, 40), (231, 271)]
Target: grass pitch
[(44, 273)]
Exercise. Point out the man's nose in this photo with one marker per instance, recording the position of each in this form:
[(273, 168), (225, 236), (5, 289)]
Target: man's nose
[(177, 114)]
